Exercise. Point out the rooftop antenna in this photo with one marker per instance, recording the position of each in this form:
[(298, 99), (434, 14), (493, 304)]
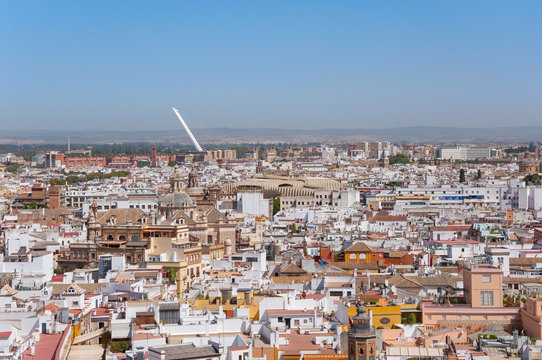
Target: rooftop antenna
[(190, 135)]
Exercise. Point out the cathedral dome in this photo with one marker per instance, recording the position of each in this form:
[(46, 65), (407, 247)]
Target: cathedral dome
[(177, 200), (528, 161)]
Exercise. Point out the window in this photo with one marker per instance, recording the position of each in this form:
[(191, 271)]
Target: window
[(486, 298), (486, 278)]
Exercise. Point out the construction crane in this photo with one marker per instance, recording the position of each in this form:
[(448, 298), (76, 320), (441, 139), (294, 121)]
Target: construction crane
[(190, 135)]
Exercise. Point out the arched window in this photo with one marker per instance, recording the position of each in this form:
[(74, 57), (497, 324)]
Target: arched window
[(122, 237), (109, 237), (134, 238)]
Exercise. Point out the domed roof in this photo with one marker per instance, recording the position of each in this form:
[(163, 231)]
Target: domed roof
[(361, 313), (177, 199), (528, 161)]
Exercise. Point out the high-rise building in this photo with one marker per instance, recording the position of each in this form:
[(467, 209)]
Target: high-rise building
[(465, 153)]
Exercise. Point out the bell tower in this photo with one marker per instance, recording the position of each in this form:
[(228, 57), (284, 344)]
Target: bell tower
[(93, 226), (361, 337), (176, 181), (193, 179)]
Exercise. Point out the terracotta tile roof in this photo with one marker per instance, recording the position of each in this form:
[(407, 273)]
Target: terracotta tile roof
[(50, 307), (60, 288), (525, 261), (421, 281), (290, 279), (390, 218), (7, 290), (292, 268), (124, 216), (45, 347), (359, 247), (325, 356), (282, 312)]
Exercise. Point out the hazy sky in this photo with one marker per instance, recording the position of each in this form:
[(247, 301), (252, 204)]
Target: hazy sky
[(292, 64)]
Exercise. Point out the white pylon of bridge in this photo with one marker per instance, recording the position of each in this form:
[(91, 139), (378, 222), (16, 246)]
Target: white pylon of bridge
[(190, 135)]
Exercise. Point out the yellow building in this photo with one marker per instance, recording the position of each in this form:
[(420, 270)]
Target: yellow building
[(385, 316), (359, 252)]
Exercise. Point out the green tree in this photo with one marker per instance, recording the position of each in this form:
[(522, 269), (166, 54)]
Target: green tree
[(119, 346), (479, 174), (411, 318), (172, 275), (532, 179), (399, 159), (276, 206), (57, 182), (14, 169), (462, 175)]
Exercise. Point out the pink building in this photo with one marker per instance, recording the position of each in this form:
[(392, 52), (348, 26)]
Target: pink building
[(484, 304), (531, 317)]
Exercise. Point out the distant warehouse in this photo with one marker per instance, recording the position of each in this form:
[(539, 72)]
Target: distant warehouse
[(464, 153)]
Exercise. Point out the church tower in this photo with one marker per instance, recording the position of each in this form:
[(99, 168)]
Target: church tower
[(259, 167), (361, 337), (94, 229), (193, 179), (176, 181), (154, 160)]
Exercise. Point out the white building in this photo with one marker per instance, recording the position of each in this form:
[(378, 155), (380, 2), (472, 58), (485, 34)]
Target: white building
[(465, 153), (253, 203)]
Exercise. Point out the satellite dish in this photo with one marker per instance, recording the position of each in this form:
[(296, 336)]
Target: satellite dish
[(386, 282), (394, 289)]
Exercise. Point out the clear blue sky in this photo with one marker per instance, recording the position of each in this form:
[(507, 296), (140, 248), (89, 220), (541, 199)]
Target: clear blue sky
[(291, 64)]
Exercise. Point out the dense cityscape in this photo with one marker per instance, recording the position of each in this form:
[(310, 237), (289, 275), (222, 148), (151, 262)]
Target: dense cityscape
[(370, 250), (270, 180)]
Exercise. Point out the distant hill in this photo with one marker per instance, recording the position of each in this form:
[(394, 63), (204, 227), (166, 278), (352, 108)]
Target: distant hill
[(416, 134)]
